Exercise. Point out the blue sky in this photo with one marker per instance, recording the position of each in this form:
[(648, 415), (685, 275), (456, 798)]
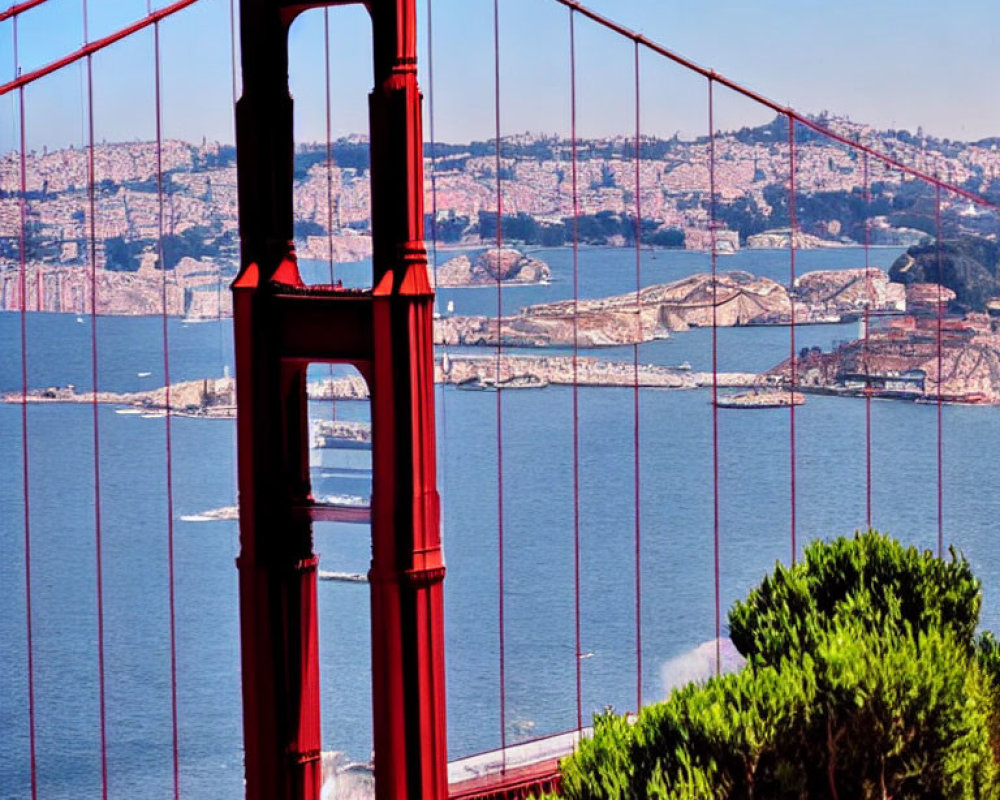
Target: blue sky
[(892, 63)]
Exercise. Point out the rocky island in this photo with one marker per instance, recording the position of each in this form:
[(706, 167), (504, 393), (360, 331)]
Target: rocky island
[(506, 265), (529, 371), (208, 397), (736, 297)]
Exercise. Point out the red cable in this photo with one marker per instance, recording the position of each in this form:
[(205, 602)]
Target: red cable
[(715, 376), (576, 354), (442, 402), (232, 48), (793, 225), (329, 151), (23, 289), (499, 406), (433, 139), (757, 97), (92, 47), (940, 378), (329, 179), (867, 353), (167, 420), (635, 393), (96, 423), (19, 8)]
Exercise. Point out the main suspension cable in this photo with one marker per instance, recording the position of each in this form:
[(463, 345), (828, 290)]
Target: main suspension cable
[(89, 48), (761, 99)]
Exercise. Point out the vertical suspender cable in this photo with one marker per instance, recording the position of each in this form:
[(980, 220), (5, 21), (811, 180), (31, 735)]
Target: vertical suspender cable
[(329, 147), (793, 377), (499, 393), (940, 374), (232, 49), (167, 430), (715, 375), (329, 180), (635, 390), (23, 305), (866, 344), (576, 387), (235, 96), (442, 400), (433, 142), (232, 64), (91, 195)]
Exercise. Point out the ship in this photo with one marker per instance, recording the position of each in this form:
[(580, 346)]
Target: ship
[(526, 381), (477, 384)]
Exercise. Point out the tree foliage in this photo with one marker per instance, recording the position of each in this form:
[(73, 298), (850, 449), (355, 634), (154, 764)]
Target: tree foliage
[(870, 578), (864, 681)]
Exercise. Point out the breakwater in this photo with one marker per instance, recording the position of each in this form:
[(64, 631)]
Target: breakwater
[(527, 371)]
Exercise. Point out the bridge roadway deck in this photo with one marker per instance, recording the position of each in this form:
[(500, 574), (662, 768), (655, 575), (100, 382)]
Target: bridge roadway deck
[(522, 770)]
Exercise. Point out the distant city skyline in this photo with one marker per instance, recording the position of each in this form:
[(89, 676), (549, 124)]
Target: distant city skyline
[(889, 64)]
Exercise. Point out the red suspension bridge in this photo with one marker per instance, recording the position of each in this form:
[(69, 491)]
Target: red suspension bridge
[(384, 330)]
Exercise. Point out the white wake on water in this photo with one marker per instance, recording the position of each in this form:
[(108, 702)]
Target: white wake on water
[(699, 664)]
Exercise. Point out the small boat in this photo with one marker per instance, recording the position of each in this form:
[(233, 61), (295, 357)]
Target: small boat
[(477, 384), (143, 374), (213, 515), (128, 411), (526, 381), (352, 500), (346, 577), (329, 441)]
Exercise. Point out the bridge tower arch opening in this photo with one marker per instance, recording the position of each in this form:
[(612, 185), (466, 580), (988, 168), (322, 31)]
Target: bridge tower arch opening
[(281, 326)]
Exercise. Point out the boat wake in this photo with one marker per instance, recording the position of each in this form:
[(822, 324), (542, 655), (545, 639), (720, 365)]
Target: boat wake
[(698, 665)]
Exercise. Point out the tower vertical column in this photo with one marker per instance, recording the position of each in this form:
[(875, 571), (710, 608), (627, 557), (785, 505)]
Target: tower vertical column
[(407, 564), (277, 566)]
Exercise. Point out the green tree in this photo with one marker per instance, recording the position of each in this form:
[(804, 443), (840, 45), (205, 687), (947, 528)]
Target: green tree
[(864, 682), (870, 577)]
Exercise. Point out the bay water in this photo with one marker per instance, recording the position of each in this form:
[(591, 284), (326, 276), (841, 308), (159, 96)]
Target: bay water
[(675, 512)]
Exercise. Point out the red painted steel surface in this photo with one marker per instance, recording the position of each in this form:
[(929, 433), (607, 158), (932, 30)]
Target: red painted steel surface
[(533, 780), (282, 326)]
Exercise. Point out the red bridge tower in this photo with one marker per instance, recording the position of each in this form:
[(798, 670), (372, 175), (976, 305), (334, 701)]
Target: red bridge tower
[(281, 326)]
